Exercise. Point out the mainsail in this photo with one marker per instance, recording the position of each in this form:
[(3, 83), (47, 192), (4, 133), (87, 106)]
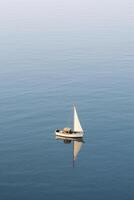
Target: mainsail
[(77, 147), (77, 125)]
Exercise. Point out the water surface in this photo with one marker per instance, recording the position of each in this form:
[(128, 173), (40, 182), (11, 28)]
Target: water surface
[(44, 70)]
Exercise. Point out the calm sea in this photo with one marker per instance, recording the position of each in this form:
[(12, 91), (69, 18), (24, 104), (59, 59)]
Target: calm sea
[(42, 73)]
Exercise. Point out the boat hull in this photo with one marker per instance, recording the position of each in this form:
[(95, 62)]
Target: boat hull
[(69, 135)]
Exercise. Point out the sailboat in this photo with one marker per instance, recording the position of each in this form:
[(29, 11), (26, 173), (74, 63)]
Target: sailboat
[(77, 131)]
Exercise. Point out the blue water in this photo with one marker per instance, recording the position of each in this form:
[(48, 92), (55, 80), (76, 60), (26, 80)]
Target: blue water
[(42, 73)]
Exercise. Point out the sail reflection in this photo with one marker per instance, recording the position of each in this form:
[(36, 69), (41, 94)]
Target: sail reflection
[(76, 148), (76, 145)]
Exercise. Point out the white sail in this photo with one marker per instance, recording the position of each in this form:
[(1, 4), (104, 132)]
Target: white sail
[(77, 125), (77, 147)]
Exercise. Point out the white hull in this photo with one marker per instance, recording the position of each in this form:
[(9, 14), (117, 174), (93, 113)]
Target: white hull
[(69, 135)]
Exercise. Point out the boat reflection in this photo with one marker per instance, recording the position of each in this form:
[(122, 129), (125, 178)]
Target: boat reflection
[(77, 145)]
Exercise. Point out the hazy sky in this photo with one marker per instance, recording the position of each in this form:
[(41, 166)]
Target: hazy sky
[(49, 14)]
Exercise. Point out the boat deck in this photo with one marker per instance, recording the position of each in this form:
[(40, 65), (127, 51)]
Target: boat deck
[(70, 135)]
